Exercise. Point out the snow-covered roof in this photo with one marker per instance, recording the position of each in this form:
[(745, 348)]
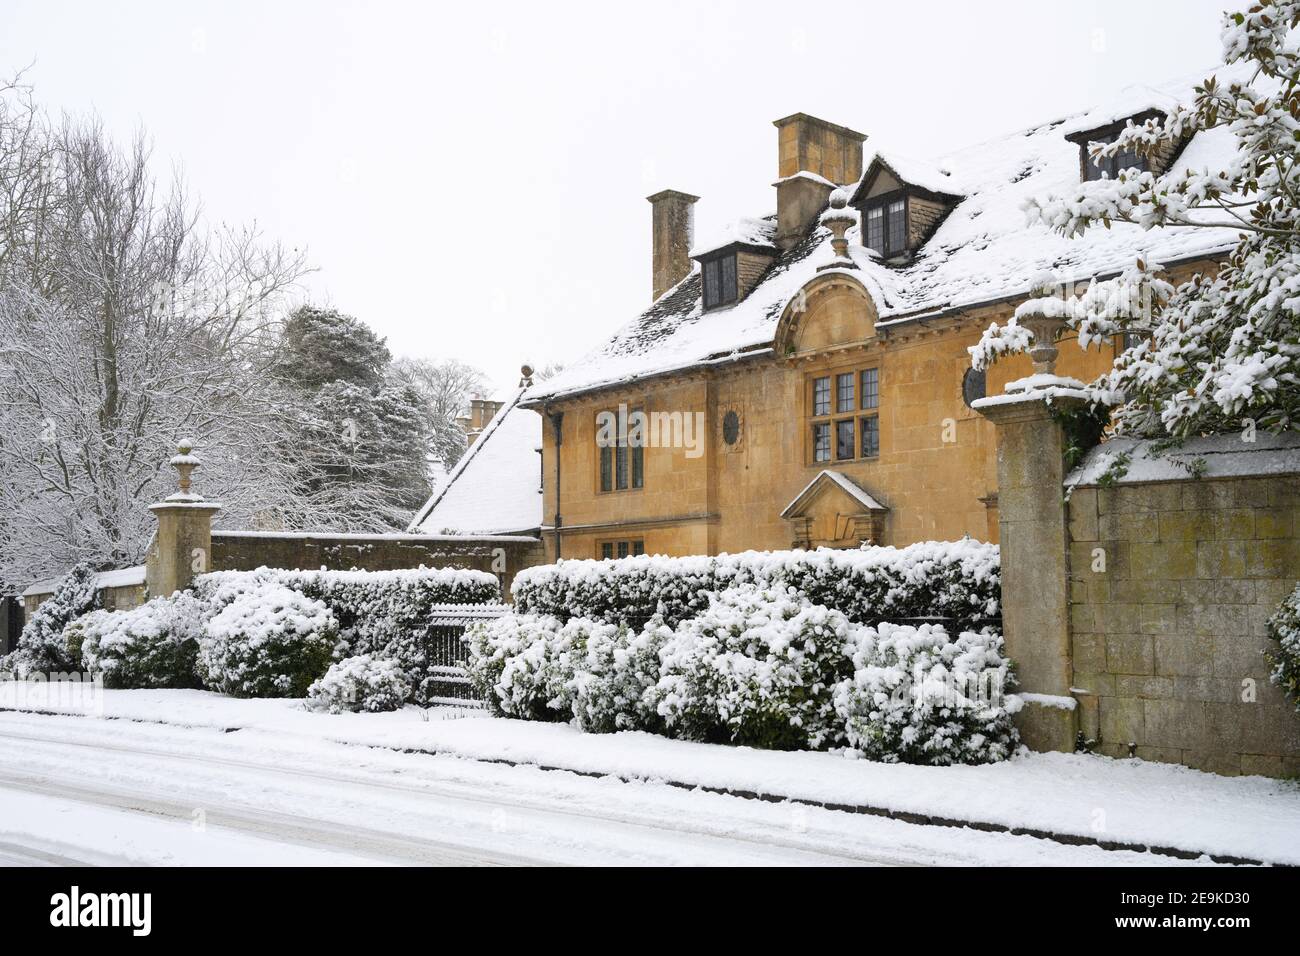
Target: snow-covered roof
[(855, 491), (1219, 456), (496, 488), (758, 233), (982, 252), (119, 578), (935, 177)]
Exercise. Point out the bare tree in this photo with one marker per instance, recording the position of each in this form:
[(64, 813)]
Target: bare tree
[(445, 387), (123, 327)]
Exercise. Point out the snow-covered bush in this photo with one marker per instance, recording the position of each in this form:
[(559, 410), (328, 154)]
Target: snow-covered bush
[(1284, 627), (917, 697), (360, 683), (41, 648), (613, 687), (269, 641), (953, 579), (759, 668), (509, 664), (383, 613), (537, 667), (153, 645)]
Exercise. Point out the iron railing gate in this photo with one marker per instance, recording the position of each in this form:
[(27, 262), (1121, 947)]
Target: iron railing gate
[(446, 653)]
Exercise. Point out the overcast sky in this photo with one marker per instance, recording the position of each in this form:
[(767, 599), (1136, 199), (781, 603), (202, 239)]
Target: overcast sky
[(470, 178)]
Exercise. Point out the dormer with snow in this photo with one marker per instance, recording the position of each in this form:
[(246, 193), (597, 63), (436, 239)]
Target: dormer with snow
[(901, 202), (1136, 106), (735, 260)]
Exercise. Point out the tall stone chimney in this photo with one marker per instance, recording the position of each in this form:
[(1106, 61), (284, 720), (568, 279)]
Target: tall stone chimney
[(814, 157), (674, 228)]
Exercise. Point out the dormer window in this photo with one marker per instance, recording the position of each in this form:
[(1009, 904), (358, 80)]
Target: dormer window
[(886, 225), (902, 204), (719, 280), (1108, 167), (735, 262)]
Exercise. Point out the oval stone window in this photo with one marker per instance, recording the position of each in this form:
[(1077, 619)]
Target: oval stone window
[(730, 427), (972, 385)]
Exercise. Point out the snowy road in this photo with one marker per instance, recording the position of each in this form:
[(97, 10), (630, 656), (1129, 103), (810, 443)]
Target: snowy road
[(91, 791)]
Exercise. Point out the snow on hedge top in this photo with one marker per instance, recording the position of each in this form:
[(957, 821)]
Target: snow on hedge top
[(495, 488), (1218, 456), (983, 251), (747, 232)]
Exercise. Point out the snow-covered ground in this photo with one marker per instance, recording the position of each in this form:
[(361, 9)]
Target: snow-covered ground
[(180, 748), (73, 789)]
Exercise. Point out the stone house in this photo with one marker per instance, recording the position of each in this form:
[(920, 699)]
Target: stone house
[(803, 379)]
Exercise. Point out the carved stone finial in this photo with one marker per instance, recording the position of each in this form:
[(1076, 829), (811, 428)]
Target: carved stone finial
[(185, 463), (838, 218), (525, 376)]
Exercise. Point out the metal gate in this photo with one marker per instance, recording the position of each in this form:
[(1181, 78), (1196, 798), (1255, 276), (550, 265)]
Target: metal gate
[(448, 682)]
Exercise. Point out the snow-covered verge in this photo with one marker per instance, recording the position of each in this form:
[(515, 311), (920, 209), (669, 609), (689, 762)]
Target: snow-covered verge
[(1122, 801)]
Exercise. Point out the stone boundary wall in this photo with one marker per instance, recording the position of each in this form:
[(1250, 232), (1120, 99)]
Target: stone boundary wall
[(247, 550), (1171, 585)]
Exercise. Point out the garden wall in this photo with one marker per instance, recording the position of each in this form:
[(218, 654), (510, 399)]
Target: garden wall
[(1172, 581), (503, 555)]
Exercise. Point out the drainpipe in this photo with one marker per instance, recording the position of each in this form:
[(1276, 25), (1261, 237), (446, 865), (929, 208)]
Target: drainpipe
[(557, 420)]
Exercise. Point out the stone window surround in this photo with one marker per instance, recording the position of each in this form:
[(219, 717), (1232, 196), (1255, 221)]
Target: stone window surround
[(857, 415)]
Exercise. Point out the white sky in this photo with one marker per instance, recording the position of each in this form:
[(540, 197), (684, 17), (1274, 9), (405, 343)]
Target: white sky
[(470, 180)]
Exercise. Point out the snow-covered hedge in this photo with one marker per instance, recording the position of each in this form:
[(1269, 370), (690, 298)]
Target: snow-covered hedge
[(958, 580), (757, 667), (1284, 627), (916, 696), (383, 613), (761, 667), (360, 683), (153, 645), (268, 641), (41, 648)]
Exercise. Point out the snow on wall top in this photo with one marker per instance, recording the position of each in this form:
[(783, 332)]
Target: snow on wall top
[(982, 252), (496, 487), (1219, 456), (118, 578)]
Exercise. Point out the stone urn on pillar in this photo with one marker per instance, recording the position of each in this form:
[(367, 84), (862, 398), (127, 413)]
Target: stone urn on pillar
[(182, 546), (1033, 526)]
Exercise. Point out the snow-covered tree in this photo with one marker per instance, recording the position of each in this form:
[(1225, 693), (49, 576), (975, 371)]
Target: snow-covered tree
[(360, 434), (41, 646), (445, 389), (1219, 352), (124, 326)]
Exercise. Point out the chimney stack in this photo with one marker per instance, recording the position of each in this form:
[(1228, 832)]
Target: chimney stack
[(674, 227), (814, 157)]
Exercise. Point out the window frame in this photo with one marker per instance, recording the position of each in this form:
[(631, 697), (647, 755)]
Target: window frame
[(612, 549), (718, 261), (828, 424), (883, 202), (613, 459)]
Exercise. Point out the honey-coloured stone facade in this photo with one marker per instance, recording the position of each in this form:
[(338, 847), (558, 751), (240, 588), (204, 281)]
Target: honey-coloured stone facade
[(936, 471)]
